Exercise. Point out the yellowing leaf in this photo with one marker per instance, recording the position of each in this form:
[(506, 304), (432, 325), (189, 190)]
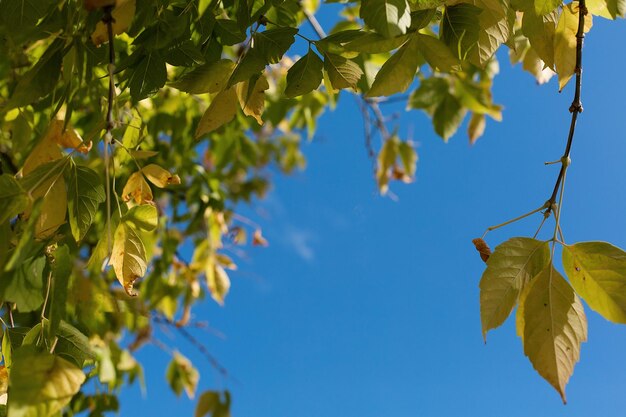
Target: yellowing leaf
[(252, 98), (181, 375), (49, 185), (476, 127), (512, 264), (128, 257), (216, 278), (68, 138), (222, 110), (137, 189), (41, 384), (258, 239), (565, 42), (597, 271), (160, 176), (553, 326), (123, 15)]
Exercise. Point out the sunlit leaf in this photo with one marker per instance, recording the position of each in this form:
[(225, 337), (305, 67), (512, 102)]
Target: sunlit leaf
[(251, 96), (342, 72), (122, 14), (511, 266), (128, 257), (388, 17), (553, 326), (85, 194), (222, 110), (565, 42), (181, 375), (597, 271), (305, 75), (398, 72), (160, 176)]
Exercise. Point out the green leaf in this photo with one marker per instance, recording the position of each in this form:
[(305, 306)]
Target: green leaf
[(148, 76), (273, 43), (597, 271), (210, 78), (430, 93), (460, 28), (40, 80), (511, 266), (143, 216), (342, 72), (61, 271), (181, 375), (13, 199), (388, 17), (398, 72), (448, 116), (305, 75), (373, 43), (437, 54), (41, 384), (552, 324), (24, 285), (229, 31), (495, 27), (73, 345), (85, 193), (208, 402)]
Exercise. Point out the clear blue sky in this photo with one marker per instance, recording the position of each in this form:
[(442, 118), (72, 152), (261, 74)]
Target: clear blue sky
[(364, 306)]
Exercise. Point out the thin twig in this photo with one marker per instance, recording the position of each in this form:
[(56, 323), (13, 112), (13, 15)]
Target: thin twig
[(108, 20), (576, 107)]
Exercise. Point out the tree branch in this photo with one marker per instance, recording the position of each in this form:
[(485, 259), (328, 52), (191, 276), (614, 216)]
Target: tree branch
[(575, 108), (108, 136)]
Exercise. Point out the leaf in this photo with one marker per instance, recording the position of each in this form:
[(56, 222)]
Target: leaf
[(68, 137), (540, 32), (553, 326), (398, 72), (258, 239), (24, 285), (273, 43), (511, 266), (137, 189), (565, 42), (208, 402), (128, 257), (160, 176), (495, 27), (229, 31), (342, 72), (305, 75), (73, 345), (41, 384), (430, 93), (597, 271), (388, 17), (448, 116), (210, 78), (437, 53), (85, 194), (40, 80), (61, 271), (144, 217), (216, 278), (122, 14), (222, 110), (373, 43), (251, 95), (460, 28), (609, 9), (147, 77), (13, 199), (181, 375), (543, 7), (483, 248), (476, 127)]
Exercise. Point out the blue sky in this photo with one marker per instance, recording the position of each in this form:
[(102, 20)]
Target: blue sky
[(365, 306)]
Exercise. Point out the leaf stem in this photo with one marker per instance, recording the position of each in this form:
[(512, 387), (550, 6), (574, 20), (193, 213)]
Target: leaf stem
[(523, 216)]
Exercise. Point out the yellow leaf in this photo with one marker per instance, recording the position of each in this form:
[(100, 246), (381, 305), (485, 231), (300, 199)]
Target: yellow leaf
[(252, 99), (128, 257), (217, 281), (553, 326), (68, 138), (221, 111), (160, 176), (51, 189), (137, 189), (512, 264), (476, 127), (565, 42), (597, 271), (123, 15)]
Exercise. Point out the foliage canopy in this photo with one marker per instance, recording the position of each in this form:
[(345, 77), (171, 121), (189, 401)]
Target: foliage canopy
[(131, 128)]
